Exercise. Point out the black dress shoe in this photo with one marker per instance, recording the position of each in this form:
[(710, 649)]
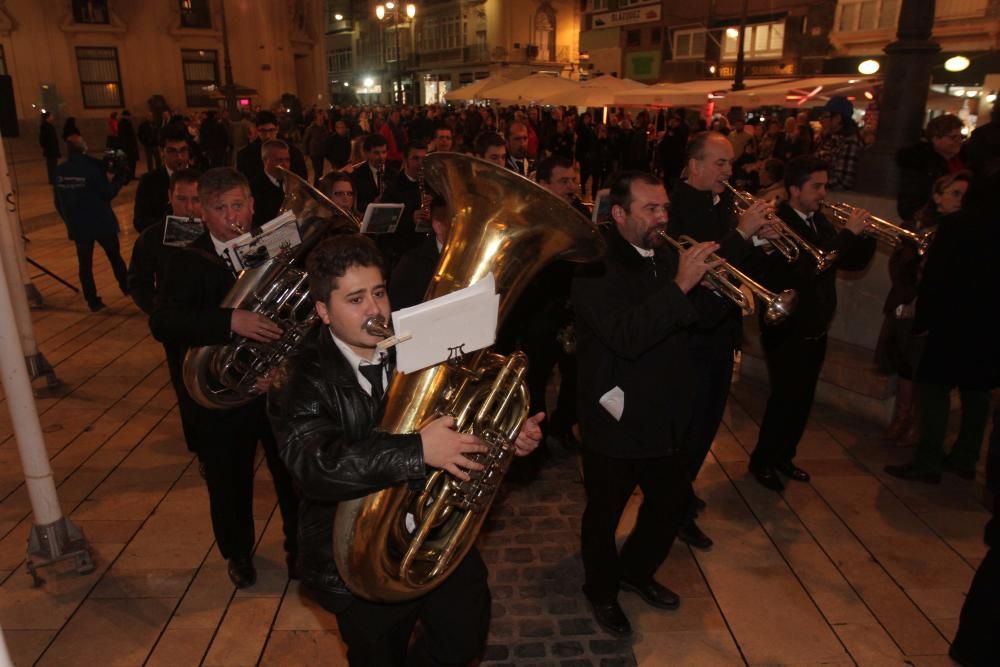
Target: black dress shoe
[(767, 477), (699, 504), (96, 306), (611, 617), (242, 572), (964, 473), (653, 593), (910, 472), (692, 535), (292, 562), (792, 471)]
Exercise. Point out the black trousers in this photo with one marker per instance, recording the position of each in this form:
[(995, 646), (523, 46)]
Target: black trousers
[(609, 483), (317, 163), (50, 168), (793, 365), (85, 259), (454, 616), (977, 642), (229, 473), (544, 352), (711, 391)]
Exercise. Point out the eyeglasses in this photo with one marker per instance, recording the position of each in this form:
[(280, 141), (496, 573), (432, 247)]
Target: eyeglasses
[(343, 193), (267, 129), (954, 136), (176, 151)]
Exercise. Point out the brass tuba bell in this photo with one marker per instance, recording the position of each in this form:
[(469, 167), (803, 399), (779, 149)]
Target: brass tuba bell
[(225, 376), (399, 543)]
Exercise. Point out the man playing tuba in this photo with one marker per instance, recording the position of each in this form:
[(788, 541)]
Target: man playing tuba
[(325, 409)]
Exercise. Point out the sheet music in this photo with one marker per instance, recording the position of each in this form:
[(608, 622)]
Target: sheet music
[(272, 239), (181, 232), (447, 327)]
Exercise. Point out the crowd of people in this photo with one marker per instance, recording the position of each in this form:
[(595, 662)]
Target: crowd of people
[(643, 338)]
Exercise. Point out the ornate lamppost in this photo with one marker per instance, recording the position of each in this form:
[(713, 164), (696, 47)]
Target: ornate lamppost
[(392, 11)]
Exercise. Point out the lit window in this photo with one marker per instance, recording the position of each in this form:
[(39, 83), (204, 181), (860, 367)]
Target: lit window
[(201, 69), (763, 40), (100, 77)]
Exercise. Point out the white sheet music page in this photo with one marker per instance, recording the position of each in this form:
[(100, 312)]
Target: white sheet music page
[(449, 326)]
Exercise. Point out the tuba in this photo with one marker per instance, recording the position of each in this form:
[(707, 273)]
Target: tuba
[(225, 376), (399, 543)]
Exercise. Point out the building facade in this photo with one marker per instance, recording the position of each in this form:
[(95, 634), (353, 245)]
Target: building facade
[(87, 58), (447, 44)]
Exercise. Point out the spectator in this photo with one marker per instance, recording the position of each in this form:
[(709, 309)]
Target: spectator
[(83, 194), (840, 144), (314, 143), (922, 164), (127, 142), (49, 141)]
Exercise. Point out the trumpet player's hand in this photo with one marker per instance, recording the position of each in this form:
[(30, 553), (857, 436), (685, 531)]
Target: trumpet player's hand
[(694, 263), (754, 218), (529, 436), (769, 231), (446, 448), (422, 217), (254, 326), (857, 221)]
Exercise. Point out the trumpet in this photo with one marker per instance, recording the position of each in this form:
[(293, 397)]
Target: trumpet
[(789, 242), (882, 229), (724, 277)]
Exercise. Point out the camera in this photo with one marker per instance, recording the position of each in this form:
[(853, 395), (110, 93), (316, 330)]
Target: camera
[(116, 162)]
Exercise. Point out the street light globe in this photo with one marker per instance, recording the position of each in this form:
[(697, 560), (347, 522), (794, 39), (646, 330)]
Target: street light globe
[(390, 5), (347, 84), (338, 17), (956, 64), (411, 10), (868, 66), (369, 82), (732, 32), (380, 12)]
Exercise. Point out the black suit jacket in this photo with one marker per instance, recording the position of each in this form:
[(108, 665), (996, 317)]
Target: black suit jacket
[(250, 164), (413, 274), (365, 187), (267, 199), (186, 313), (693, 213), (152, 199), (147, 265), (632, 324), (817, 290), (402, 190)]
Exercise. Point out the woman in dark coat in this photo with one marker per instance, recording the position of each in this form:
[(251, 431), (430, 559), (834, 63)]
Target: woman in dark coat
[(898, 350), (957, 308)]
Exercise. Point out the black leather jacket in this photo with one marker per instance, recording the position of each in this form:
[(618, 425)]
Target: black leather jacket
[(325, 425)]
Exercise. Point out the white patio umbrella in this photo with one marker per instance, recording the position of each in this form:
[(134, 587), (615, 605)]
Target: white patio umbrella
[(477, 89), (598, 92), (530, 89)]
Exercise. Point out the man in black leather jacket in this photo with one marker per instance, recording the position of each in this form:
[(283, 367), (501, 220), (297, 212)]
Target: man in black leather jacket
[(325, 408)]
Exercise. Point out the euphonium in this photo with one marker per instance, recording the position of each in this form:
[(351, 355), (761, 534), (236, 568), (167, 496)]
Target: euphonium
[(399, 543), (789, 242), (882, 229), (724, 278), (225, 376)]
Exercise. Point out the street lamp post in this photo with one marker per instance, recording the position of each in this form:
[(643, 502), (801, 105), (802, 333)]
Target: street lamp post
[(391, 10)]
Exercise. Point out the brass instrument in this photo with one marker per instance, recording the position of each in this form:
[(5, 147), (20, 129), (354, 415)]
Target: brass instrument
[(724, 278), (399, 543), (789, 242), (882, 229), (225, 376)]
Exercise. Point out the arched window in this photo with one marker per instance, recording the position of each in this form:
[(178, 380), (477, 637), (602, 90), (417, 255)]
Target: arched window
[(545, 32)]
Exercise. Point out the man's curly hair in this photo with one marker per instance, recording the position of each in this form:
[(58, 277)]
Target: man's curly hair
[(332, 258)]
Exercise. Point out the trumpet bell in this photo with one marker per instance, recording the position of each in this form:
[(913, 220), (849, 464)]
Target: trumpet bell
[(781, 306)]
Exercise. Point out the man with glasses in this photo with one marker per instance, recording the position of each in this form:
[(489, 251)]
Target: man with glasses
[(443, 140), (922, 164), (152, 196), (249, 161)]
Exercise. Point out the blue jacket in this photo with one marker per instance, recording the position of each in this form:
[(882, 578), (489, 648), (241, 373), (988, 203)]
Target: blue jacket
[(83, 196)]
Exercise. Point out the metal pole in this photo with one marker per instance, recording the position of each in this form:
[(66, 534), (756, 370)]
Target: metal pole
[(738, 78), (34, 296), (227, 65), (12, 252), (53, 536), (399, 73)]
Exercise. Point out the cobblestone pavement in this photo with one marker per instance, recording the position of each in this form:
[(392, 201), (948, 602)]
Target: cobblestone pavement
[(532, 546)]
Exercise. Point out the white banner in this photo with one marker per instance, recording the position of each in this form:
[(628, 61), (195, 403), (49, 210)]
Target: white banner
[(640, 14)]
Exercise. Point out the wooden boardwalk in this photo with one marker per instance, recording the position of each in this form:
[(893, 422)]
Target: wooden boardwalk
[(852, 569)]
